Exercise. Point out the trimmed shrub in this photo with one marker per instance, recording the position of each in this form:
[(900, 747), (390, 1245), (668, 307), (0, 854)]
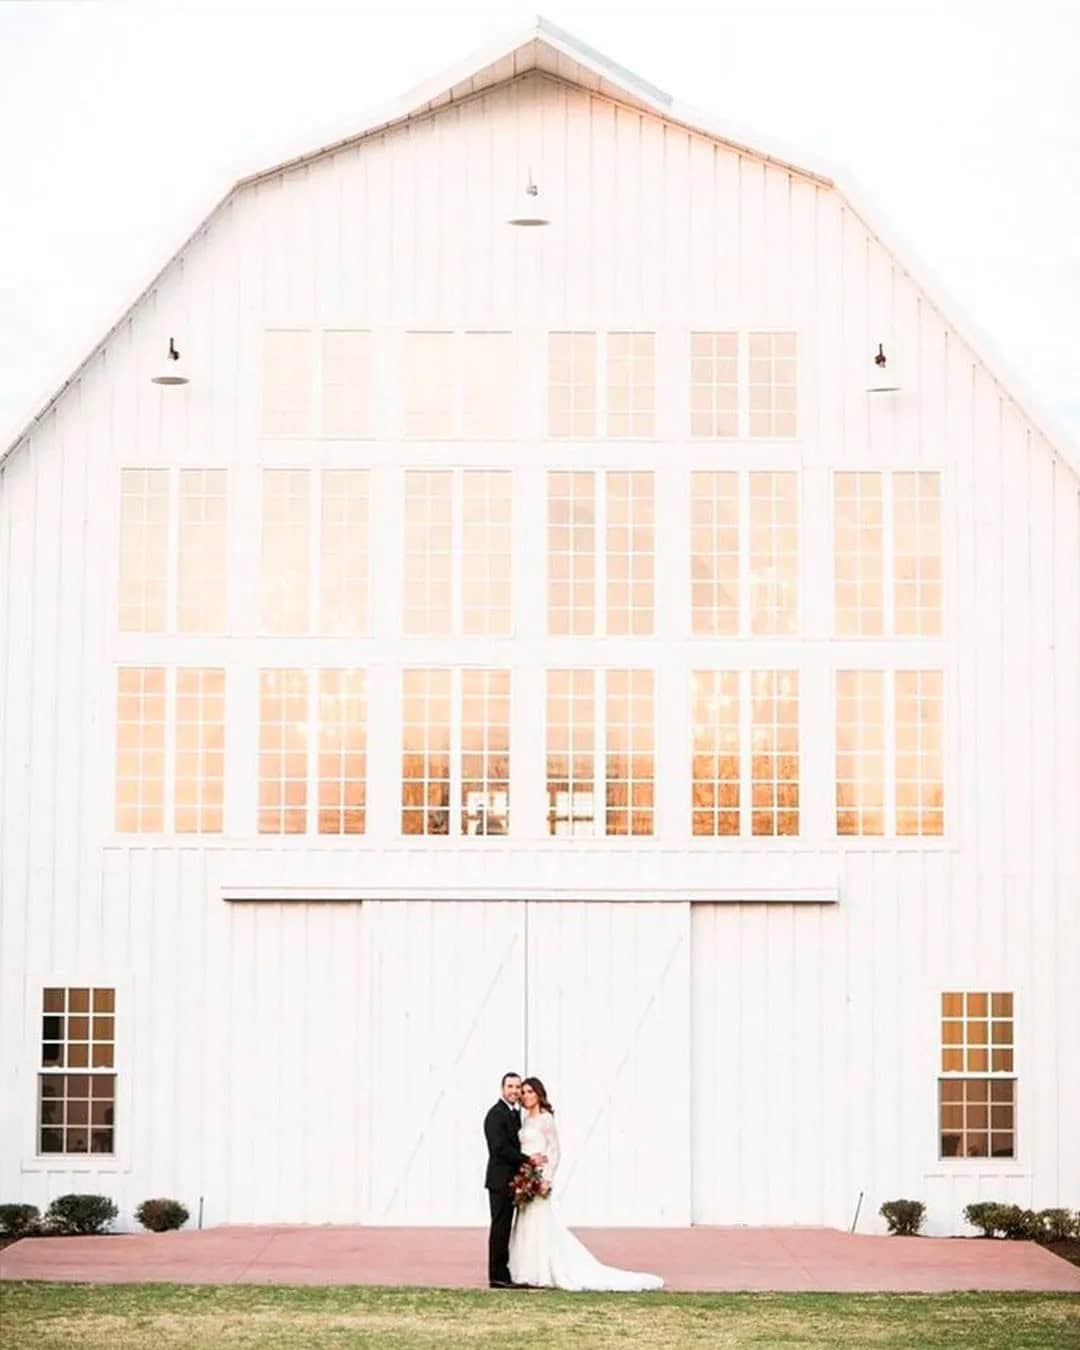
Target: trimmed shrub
[(80, 1214), (904, 1217), (1057, 1225), (161, 1214), (1019, 1224), (17, 1221), (986, 1215)]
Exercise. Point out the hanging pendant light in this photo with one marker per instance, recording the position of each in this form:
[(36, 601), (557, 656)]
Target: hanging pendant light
[(170, 375), (532, 212), (882, 380)]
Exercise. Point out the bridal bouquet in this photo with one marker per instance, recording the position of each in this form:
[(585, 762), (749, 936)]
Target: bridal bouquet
[(528, 1182)]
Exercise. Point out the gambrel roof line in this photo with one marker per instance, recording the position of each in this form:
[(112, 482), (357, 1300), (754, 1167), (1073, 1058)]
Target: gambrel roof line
[(543, 47)]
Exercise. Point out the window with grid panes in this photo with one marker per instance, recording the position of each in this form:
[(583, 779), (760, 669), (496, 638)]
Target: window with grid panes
[(630, 545), (572, 380), (344, 546), (631, 381), (571, 752), (571, 552), (774, 552), (283, 751), (288, 367), (774, 761), (917, 565), (485, 751), (860, 752), (714, 553), (425, 752), (286, 550), (977, 1082), (772, 390), (346, 382), (920, 782), (715, 768), (144, 550), (629, 751), (714, 384), (858, 550), (77, 1082), (140, 750)]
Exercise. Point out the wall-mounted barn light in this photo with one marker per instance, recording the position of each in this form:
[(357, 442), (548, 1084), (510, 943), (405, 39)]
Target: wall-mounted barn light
[(532, 212), (170, 375), (882, 380)]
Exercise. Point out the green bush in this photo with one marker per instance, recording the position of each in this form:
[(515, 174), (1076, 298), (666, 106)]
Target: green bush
[(161, 1214), (988, 1215), (1057, 1225), (80, 1214), (904, 1217), (1019, 1224), (17, 1221)]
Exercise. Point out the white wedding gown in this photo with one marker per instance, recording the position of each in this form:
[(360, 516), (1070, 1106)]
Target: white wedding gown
[(543, 1251)]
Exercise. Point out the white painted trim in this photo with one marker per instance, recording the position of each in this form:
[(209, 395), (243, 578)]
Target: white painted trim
[(738, 895)]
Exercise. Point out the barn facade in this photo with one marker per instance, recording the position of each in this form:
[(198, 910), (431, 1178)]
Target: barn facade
[(559, 648)]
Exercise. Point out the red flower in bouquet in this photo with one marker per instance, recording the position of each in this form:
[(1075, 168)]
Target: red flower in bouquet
[(527, 1183)]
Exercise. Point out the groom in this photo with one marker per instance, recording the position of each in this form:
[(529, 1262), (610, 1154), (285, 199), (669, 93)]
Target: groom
[(501, 1126)]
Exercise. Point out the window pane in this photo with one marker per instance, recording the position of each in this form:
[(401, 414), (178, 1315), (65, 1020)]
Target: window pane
[(428, 552), (858, 539), (860, 752), (631, 380), (487, 530), (571, 553), (343, 599), (140, 750), (773, 396), (714, 800), (489, 380), (144, 542), (285, 551), (714, 384), (203, 551), (287, 378), (714, 553), (346, 374), (200, 751), (774, 552), (425, 770), (629, 752), (917, 562), (342, 752), (572, 384), (774, 759), (430, 385), (571, 752), (920, 787), (629, 553), (485, 748), (283, 748), (964, 1117)]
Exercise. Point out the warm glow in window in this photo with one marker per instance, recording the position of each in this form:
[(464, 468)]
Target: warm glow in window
[(485, 751), (774, 552), (714, 553), (977, 1115), (288, 368), (203, 550), (772, 384), (629, 751), (431, 385), (774, 761), (571, 752), (715, 789), (571, 553), (488, 394), (200, 751), (429, 537), (140, 750), (630, 560), (572, 384), (76, 1110), (858, 541), (346, 376), (917, 553), (144, 545), (920, 787), (714, 384), (342, 752), (860, 752), (283, 751), (286, 530), (425, 757), (343, 600), (631, 384), (486, 552)]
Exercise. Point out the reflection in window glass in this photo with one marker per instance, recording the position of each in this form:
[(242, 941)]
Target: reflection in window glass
[(285, 551), (629, 752), (283, 750), (485, 751), (631, 380), (572, 384), (486, 552), (144, 542), (140, 750), (429, 533), (425, 757), (714, 384), (774, 760), (858, 541), (203, 550), (860, 752), (346, 376), (630, 553), (571, 553), (488, 394), (571, 752), (715, 769), (917, 553), (430, 385), (772, 384), (200, 751), (342, 752), (920, 787), (287, 380), (774, 552), (714, 553), (343, 599)]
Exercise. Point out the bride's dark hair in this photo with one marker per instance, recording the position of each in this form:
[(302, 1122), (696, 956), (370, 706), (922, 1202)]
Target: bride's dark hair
[(541, 1091)]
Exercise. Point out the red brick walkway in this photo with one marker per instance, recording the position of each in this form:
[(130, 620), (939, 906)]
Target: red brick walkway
[(702, 1259)]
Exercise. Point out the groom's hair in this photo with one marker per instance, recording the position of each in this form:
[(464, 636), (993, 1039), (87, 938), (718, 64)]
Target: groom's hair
[(509, 1075)]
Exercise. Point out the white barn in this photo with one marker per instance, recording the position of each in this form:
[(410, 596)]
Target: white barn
[(559, 649)]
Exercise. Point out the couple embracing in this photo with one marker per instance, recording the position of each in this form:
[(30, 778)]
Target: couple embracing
[(529, 1246)]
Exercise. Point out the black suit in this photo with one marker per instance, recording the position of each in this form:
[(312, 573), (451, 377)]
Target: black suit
[(501, 1126)]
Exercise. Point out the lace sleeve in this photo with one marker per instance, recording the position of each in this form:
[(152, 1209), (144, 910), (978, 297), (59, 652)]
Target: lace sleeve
[(551, 1137)]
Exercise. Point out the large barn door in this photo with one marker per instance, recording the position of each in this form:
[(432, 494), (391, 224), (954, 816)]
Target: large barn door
[(609, 1033)]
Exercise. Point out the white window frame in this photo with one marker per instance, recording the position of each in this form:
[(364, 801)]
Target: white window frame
[(316, 430), (601, 336), (961, 1162)]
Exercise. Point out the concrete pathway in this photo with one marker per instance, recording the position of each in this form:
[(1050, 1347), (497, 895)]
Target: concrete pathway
[(702, 1259)]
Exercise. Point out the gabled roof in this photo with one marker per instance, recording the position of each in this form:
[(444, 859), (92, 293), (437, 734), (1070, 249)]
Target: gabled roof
[(544, 47)]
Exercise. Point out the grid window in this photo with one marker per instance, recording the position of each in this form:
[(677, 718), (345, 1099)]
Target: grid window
[(977, 1113), (425, 757), (76, 1110), (429, 535), (343, 574), (488, 395), (285, 550), (716, 775), (714, 553), (774, 761), (200, 751), (572, 384), (144, 542), (140, 750), (288, 364), (917, 553), (486, 552), (774, 552), (346, 381), (571, 553), (920, 786), (631, 384), (571, 752), (342, 752), (714, 384), (772, 384), (630, 561), (485, 751), (431, 387), (629, 752), (860, 752), (203, 550), (858, 542), (283, 751)]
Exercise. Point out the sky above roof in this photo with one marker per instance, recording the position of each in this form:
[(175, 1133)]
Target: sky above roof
[(121, 125)]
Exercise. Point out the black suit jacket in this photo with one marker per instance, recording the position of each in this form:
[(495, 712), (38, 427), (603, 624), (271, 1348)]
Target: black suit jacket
[(501, 1127)]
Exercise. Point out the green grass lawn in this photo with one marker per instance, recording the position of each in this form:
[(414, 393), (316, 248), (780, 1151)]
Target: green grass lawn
[(111, 1317)]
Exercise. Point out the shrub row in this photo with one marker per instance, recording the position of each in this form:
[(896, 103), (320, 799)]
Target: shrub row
[(905, 1218), (70, 1214)]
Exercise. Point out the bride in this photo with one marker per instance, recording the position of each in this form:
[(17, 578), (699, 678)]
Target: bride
[(543, 1251)]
